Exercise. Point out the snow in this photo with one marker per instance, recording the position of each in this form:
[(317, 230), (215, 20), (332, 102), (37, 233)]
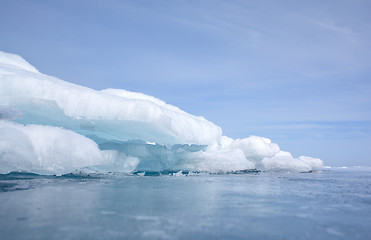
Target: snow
[(48, 125), (163, 123), (256, 148), (284, 161), (45, 149), (15, 62)]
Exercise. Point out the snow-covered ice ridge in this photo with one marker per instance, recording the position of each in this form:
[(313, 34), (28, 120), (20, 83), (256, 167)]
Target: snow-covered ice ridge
[(50, 126)]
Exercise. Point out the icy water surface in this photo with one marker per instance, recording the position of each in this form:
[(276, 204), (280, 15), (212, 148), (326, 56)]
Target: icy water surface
[(331, 204)]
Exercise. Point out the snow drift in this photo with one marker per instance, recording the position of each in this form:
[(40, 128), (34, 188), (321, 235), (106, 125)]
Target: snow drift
[(51, 126)]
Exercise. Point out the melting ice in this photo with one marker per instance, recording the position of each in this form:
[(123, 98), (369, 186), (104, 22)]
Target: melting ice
[(50, 126)]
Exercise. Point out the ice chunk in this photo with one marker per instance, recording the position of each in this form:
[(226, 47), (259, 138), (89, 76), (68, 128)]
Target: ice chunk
[(219, 160), (64, 127), (16, 150), (225, 141), (45, 149), (181, 157), (160, 122), (256, 147), (116, 161), (284, 161), (314, 163)]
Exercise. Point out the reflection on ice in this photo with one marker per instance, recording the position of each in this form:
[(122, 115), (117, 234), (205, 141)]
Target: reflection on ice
[(323, 205)]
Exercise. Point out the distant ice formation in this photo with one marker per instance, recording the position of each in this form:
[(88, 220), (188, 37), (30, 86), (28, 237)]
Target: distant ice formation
[(50, 126)]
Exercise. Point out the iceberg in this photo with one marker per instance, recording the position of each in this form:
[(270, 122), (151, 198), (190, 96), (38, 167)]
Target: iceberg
[(51, 126)]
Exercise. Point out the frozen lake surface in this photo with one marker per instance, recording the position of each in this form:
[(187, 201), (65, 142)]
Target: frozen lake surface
[(330, 204)]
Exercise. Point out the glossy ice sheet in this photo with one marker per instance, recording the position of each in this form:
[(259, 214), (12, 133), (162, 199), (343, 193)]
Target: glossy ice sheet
[(332, 204)]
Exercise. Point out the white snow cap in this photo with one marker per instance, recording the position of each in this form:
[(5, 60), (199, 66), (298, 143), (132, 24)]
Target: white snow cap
[(36, 90), (77, 115), (16, 62)]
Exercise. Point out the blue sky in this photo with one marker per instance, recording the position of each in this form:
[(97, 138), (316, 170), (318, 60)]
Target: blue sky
[(298, 72)]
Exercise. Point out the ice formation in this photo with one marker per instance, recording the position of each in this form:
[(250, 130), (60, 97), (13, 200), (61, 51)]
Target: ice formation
[(51, 126)]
